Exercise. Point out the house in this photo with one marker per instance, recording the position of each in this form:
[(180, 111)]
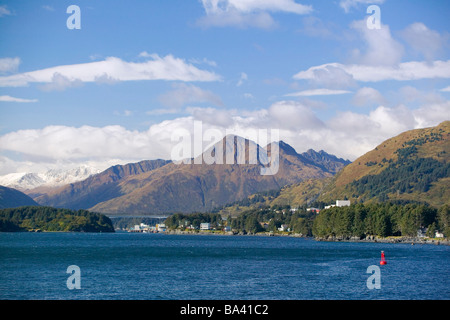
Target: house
[(316, 210), (283, 227), (439, 234), (227, 229), (205, 226), (161, 227)]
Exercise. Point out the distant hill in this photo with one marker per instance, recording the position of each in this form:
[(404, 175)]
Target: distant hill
[(413, 166), (11, 198), (188, 188), (32, 218)]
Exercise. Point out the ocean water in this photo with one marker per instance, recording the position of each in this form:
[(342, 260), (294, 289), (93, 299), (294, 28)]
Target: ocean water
[(134, 266)]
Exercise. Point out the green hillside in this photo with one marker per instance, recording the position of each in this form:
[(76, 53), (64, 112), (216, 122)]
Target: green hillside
[(413, 166), (34, 218)]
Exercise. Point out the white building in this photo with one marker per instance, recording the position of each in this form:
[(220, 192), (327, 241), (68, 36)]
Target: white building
[(205, 226), (439, 234)]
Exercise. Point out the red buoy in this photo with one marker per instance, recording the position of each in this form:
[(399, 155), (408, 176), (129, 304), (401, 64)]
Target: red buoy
[(383, 259)]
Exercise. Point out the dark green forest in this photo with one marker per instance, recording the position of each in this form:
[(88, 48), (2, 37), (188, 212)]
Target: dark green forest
[(34, 218), (406, 175), (383, 220)]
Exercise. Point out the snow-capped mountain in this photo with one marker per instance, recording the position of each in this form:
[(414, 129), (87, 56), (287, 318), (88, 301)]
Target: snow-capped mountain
[(51, 178)]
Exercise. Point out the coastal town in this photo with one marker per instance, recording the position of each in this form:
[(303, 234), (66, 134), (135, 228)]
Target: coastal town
[(297, 222)]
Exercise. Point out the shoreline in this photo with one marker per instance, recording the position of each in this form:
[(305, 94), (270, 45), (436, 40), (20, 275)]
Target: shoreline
[(370, 239)]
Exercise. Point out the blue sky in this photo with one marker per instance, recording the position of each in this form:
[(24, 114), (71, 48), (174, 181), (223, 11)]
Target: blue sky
[(115, 90)]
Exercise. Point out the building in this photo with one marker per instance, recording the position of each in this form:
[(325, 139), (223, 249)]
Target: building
[(439, 234), (342, 203), (205, 226), (339, 203)]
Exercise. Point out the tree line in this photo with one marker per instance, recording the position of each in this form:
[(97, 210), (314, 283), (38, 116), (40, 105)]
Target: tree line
[(381, 219), (358, 220)]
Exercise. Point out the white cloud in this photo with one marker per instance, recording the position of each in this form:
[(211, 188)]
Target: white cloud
[(317, 92), (293, 115), (4, 11), (382, 49), (9, 64), (414, 70), (219, 118), (368, 96), (185, 93), (247, 13), (423, 40), (60, 83), (348, 4), (115, 69), (12, 99), (332, 75), (447, 89), (430, 114)]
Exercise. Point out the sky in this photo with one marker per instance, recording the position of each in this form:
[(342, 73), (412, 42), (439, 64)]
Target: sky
[(111, 82)]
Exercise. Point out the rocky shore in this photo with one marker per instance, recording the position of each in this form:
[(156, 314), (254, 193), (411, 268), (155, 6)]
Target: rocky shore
[(373, 239), (410, 240)]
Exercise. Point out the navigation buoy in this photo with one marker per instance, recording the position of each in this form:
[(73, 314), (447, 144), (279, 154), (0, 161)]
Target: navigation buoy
[(383, 259)]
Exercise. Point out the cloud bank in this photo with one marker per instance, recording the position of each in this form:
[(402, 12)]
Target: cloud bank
[(347, 134), (112, 69)]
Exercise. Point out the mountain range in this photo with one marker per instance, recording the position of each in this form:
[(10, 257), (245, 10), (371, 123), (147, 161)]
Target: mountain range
[(412, 166), (161, 186), (52, 178)]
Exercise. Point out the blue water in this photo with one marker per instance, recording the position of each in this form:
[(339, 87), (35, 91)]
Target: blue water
[(173, 267)]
